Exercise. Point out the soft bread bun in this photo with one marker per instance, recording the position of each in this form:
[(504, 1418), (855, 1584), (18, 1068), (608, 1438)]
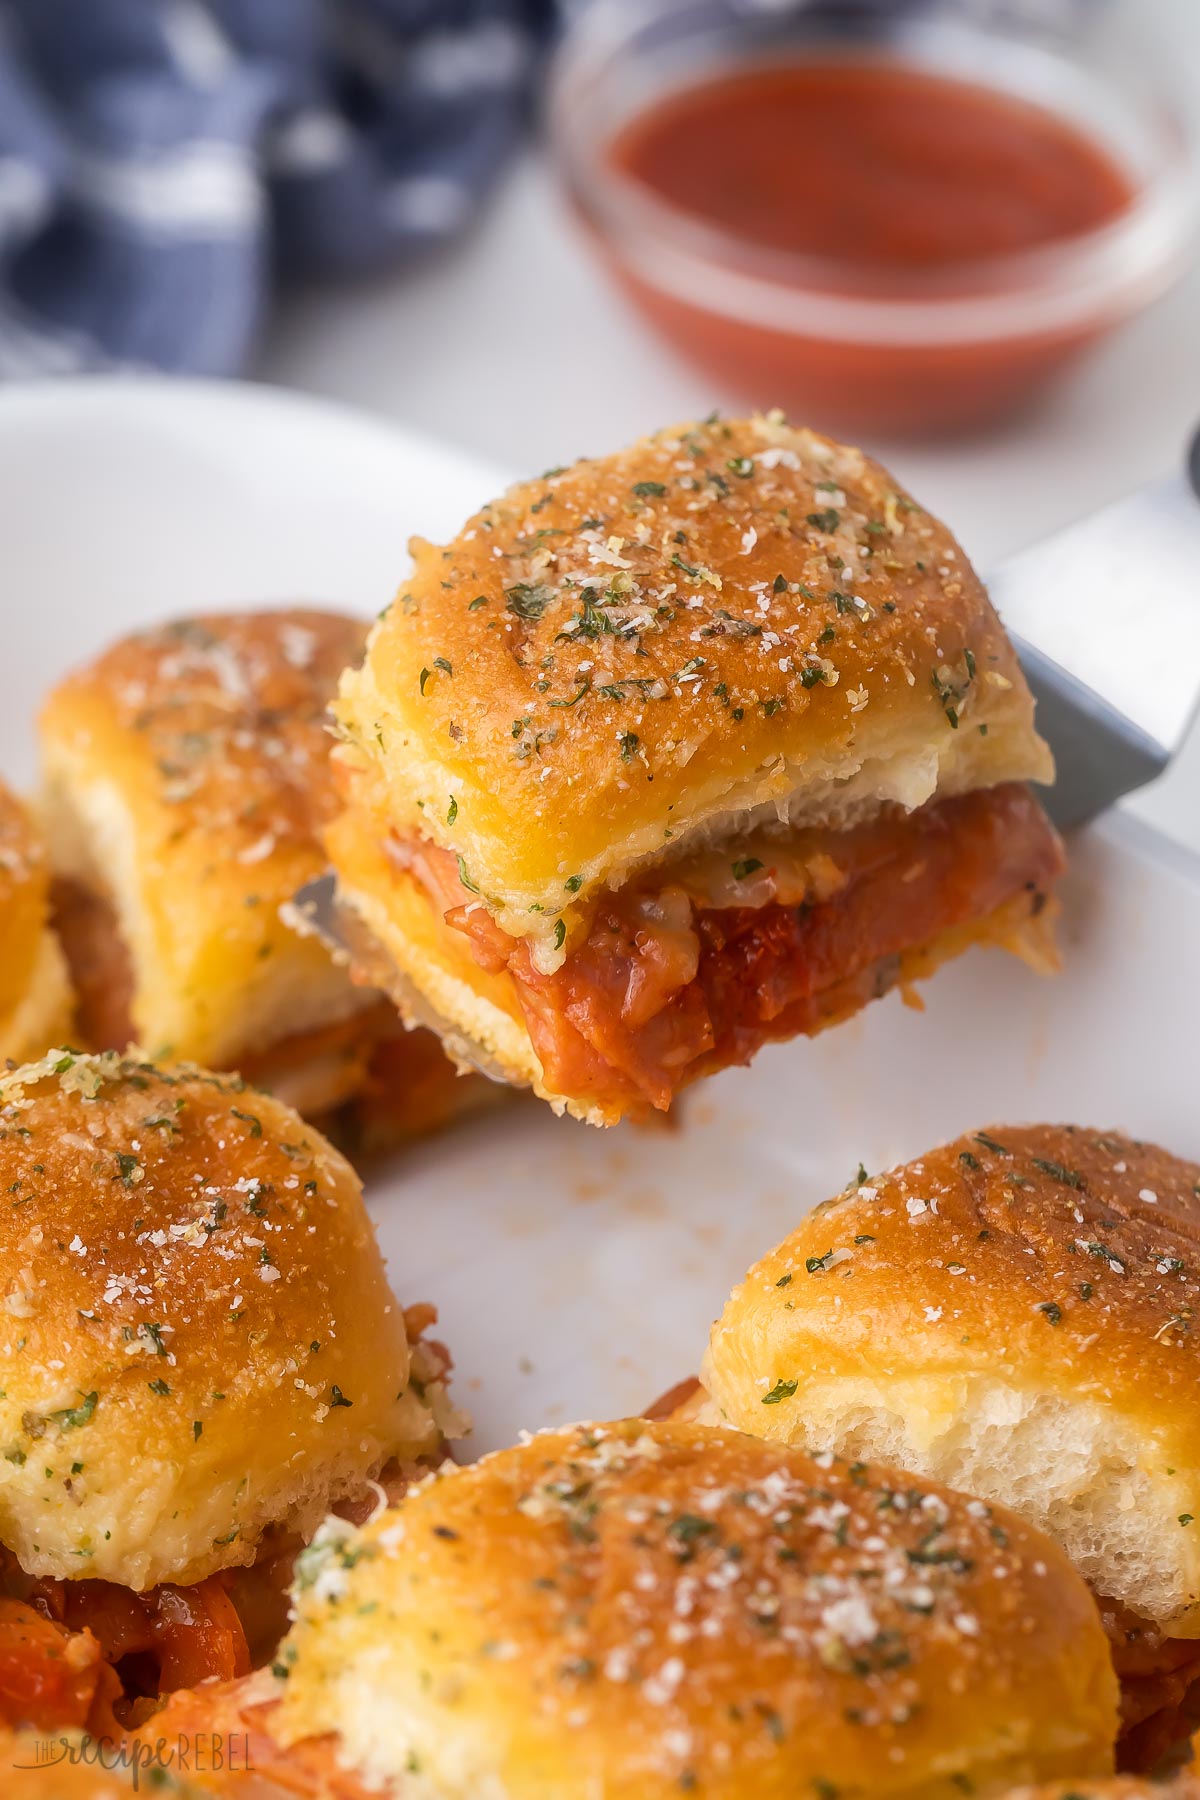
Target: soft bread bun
[(1014, 1314), (197, 1338), (725, 621), (397, 940), (35, 994), (186, 772), (642, 1610)]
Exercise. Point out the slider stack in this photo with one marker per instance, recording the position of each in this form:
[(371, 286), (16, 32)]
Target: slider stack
[(666, 756)]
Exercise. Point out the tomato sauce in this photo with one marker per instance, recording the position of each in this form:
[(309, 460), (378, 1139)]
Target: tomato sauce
[(881, 168), (891, 183), (658, 995)]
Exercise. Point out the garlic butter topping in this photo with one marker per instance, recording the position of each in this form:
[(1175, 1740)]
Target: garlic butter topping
[(231, 711), (660, 1608), (1016, 1231), (197, 1339), (726, 615)]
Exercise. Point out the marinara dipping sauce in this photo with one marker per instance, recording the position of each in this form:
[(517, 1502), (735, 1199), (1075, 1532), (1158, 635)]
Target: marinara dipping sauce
[(886, 170), (869, 241)]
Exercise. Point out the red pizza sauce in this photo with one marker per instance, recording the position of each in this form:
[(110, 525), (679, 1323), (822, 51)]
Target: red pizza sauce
[(872, 181)]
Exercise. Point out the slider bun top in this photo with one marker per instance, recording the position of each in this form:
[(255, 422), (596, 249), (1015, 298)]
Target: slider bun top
[(643, 1610), (1016, 1313), (197, 1338), (724, 617), (186, 771), (35, 995)]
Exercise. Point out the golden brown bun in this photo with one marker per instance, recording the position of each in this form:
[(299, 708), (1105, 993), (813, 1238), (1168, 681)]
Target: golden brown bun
[(23, 883), (186, 771), (636, 1610), (1015, 1314), (427, 968), (197, 1334), (1184, 1786), (773, 627), (35, 996)]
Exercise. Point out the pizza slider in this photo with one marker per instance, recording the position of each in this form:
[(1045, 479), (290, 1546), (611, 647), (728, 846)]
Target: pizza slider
[(680, 751), (186, 775), (201, 1358), (634, 1611), (1013, 1313)]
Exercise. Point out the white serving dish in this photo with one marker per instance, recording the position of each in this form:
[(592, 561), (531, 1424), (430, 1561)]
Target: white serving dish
[(575, 1271)]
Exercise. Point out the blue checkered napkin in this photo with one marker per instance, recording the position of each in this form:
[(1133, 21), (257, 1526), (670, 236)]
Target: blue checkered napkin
[(162, 162)]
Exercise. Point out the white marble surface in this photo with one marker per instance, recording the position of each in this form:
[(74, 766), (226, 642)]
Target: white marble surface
[(514, 346)]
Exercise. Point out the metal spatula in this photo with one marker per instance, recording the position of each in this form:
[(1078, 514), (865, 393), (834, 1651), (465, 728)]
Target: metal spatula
[(1106, 617)]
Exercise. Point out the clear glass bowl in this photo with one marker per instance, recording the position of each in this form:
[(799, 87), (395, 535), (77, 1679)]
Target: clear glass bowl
[(938, 351)]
